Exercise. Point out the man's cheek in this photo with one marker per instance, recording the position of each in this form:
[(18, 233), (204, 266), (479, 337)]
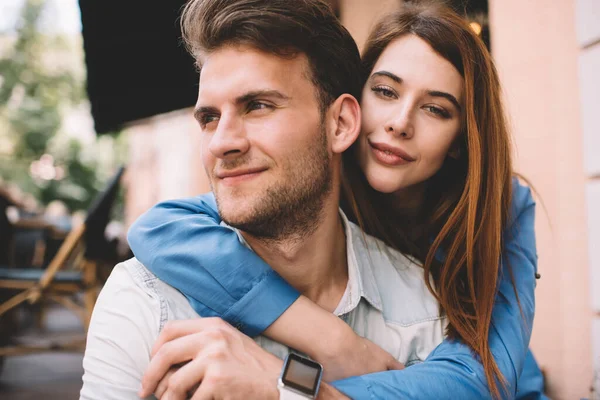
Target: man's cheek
[(208, 160)]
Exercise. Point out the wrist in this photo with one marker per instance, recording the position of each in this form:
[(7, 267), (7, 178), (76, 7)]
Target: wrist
[(328, 392), (273, 393), (311, 330), (300, 378)]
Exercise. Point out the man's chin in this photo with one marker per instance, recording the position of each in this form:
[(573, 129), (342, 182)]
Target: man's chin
[(235, 211)]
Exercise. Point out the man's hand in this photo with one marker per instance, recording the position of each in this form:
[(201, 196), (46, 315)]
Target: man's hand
[(220, 363)]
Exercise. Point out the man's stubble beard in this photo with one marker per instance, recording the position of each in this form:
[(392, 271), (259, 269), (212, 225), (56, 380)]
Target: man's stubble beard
[(291, 209)]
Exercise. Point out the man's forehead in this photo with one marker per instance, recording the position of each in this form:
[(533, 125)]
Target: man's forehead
[(234, 70)]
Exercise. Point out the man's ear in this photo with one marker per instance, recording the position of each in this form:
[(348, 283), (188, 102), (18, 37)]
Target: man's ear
[(343, 121)]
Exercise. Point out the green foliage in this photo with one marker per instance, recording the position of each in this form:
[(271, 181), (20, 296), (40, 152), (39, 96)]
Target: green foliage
[(37, 86)]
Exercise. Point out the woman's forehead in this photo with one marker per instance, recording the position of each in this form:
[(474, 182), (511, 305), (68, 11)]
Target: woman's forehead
[(417, 63)]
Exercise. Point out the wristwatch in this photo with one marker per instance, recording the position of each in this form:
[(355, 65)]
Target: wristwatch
[(300, 378)]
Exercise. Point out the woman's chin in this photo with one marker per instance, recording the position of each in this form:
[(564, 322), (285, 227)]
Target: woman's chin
[(383, 185)]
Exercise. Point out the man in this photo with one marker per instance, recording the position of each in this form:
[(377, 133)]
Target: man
[(277, 108)]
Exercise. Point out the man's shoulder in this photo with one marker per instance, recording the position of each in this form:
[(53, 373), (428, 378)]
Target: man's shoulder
[(132, 273), (169, 302)]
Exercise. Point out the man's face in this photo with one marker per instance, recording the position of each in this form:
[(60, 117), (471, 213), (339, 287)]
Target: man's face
[(264, 147)]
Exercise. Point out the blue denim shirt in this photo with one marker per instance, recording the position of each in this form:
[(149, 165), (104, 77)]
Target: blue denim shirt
[(183, 243)]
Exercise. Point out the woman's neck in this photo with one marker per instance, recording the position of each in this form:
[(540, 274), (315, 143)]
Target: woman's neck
[(408, 202)]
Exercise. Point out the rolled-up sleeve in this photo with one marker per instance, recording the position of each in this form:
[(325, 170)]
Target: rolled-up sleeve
[(183, 243)]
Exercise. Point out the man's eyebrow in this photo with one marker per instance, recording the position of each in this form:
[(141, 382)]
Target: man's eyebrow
[(246, 97), (203, 110), (388, 74), (447, 96), (243, 99)]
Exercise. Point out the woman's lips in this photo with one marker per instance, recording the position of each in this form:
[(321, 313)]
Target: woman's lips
[(390, 155)]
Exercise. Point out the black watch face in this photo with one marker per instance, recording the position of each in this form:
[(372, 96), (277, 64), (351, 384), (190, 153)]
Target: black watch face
[(302, 374)]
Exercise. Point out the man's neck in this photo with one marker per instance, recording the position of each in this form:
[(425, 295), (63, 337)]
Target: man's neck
[(314, 264)]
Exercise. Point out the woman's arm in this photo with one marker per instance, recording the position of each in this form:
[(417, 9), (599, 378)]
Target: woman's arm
[(183, 244), (457, 373), (176, 259)]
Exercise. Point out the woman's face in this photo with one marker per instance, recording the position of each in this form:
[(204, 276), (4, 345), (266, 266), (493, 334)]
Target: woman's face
[(411, 112)]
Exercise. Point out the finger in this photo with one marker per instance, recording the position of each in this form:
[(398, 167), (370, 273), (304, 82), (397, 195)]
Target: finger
[(394, 364), (185, 379), (204, 392), (161, 388), (178, 328), (171, 354)]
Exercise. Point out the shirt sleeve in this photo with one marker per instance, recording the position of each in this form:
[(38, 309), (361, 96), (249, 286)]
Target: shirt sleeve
[(451, 371), (124, 325), (183, 244)]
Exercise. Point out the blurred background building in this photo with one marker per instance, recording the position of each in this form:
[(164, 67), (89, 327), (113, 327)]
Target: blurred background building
[(61, 142)]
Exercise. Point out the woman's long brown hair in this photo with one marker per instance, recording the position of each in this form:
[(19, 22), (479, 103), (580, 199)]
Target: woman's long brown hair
[(457, 232)]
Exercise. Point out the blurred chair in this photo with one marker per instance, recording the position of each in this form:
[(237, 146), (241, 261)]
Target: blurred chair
[(25, 235), (70, 279)]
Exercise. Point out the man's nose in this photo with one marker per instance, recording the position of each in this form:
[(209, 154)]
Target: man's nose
[(400, 123), (229, 139)]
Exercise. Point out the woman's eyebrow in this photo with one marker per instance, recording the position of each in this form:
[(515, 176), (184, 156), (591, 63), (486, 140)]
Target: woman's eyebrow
[(447, 96), (388, 74)]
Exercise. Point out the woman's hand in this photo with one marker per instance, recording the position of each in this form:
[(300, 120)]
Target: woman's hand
[(327, 339)]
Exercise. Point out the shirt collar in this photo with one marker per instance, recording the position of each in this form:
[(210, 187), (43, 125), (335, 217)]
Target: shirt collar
[(361, 280)]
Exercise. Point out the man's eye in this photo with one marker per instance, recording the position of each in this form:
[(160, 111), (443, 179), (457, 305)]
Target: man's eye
[(384, 91), (206, 119), (258, 105)]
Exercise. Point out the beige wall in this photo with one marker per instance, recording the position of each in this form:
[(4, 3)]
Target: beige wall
[(164, 161), (588, 37), (359, 16), (535, 47)]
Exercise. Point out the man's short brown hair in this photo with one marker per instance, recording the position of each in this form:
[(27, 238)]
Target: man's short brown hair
[(282, 27)]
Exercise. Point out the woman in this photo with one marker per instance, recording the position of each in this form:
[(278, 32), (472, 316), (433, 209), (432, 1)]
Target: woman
[(431, 175)]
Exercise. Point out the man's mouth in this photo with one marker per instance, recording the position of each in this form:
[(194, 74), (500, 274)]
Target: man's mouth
[(239, 175)]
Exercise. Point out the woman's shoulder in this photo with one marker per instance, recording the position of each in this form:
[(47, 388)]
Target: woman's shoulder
[(522, 200)]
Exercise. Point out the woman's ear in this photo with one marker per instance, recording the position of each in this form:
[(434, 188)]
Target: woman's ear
[(344, 119)]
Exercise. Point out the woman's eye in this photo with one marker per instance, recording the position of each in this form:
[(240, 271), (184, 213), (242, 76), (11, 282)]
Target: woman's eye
[(438, 111), (384, 92)]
